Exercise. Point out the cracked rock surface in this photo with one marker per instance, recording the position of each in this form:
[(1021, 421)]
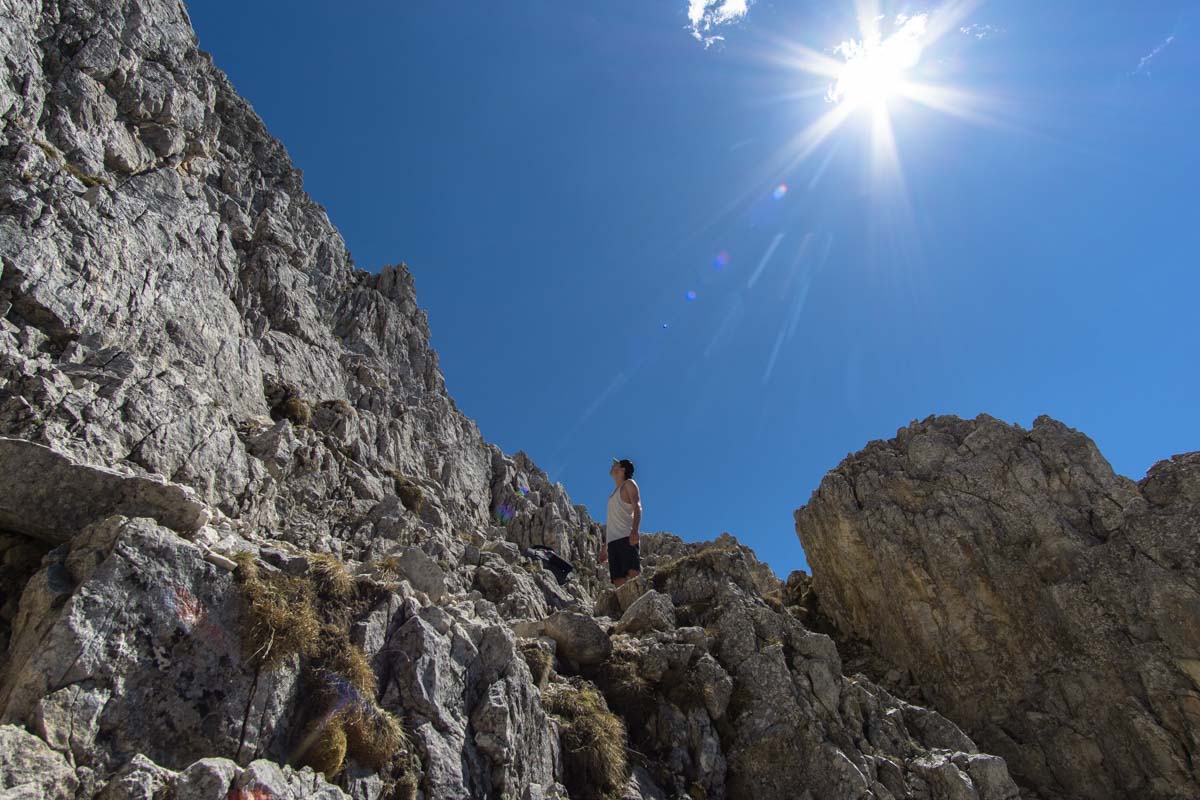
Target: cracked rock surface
[(1045, 604), (252, 549)]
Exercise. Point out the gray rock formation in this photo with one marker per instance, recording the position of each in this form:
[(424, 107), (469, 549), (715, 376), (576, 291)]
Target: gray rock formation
[(652, 611), (48, 496), (175, 305), (31, 770), (1045, 604), (128, 642), (742, 701), (252, 536)]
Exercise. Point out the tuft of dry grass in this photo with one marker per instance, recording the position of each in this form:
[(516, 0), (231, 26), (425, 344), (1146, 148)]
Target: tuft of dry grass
[(296, 410), (374, 736), (339, 406), (337, 655), (330, 577), (405, 788), (324, 747), (625, 687), (593, 741), (410, 494), (540, 662), (388, 567), (280, 617), (310, 615), (710, 558)]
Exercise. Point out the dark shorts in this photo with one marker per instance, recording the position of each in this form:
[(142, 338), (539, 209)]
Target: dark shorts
[(622, 557)]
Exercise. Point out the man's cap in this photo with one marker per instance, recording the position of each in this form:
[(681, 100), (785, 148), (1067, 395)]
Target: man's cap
[(626, 464)]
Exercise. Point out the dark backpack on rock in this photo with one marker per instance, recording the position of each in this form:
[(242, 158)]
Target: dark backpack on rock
[(551, 560)]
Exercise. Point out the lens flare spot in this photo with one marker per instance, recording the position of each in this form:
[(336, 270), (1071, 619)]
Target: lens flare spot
[(691, 295), (504, 513), (721, 260), (780, 191), (664, 326)]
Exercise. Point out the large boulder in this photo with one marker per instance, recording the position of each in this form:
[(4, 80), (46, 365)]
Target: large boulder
[(48, 496), (579, 637), (127, 641), (1044, 603), (653, 611)]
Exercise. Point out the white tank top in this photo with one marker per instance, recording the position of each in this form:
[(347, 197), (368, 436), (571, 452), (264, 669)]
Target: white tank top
[(620, 517)]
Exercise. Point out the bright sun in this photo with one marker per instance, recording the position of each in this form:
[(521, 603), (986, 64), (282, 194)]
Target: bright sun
[(873, 73), (875, 67)]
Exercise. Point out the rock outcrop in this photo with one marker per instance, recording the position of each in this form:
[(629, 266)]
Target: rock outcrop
[(174, 305), (251, 548), (1043, 603), (741, 701)]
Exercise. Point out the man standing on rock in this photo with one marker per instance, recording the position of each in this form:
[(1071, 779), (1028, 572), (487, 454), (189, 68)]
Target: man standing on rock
[(620, 548)]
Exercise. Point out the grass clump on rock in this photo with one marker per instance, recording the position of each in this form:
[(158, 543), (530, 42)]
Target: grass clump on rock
[(330, 576), (295, 410), (593, 740), (410, 494), (324, 745), (708, 558), (625, 687), (310, 615), (388, 568), (540, 661), (280, 618)]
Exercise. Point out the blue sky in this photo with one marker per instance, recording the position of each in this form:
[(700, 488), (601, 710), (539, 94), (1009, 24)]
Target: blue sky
[(559, 176)]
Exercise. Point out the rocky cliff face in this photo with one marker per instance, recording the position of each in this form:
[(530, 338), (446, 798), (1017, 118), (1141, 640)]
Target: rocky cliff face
[(250, 547), (175, 304), (1045, 604)]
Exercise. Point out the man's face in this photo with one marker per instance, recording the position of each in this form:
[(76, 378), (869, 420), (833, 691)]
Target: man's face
[(617, 471)]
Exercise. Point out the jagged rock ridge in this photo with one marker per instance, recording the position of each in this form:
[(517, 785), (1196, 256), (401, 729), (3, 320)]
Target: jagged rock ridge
[(1042, 602), (217, 402)]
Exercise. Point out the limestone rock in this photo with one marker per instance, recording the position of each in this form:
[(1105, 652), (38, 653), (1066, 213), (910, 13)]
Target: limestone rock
[(630, 591), (127, 641), (652, 611), (140, 779), (1045, 604), (206, 779), (49, 496), (743, 702), (31, 770), (452, 671), (579, 637), (422, 572), (265, 778)]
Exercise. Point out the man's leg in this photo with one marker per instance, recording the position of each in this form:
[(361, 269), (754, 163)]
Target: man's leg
[(618, 582), (633, 573)]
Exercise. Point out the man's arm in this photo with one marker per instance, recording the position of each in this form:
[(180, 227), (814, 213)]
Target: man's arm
[(633, 496)]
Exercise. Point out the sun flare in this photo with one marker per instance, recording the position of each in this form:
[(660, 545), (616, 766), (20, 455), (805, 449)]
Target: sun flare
[(875, 67), (882, 73)]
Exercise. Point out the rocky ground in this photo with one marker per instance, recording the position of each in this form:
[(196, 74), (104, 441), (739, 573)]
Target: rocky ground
[(249, 547)]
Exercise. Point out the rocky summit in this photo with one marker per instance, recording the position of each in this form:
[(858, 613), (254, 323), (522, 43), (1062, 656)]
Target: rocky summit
[(1048, 606), (251, 548)]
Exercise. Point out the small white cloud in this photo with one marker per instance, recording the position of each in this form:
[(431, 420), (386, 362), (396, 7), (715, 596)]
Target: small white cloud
[(705, 16), (1141, 68), (981, 31)]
